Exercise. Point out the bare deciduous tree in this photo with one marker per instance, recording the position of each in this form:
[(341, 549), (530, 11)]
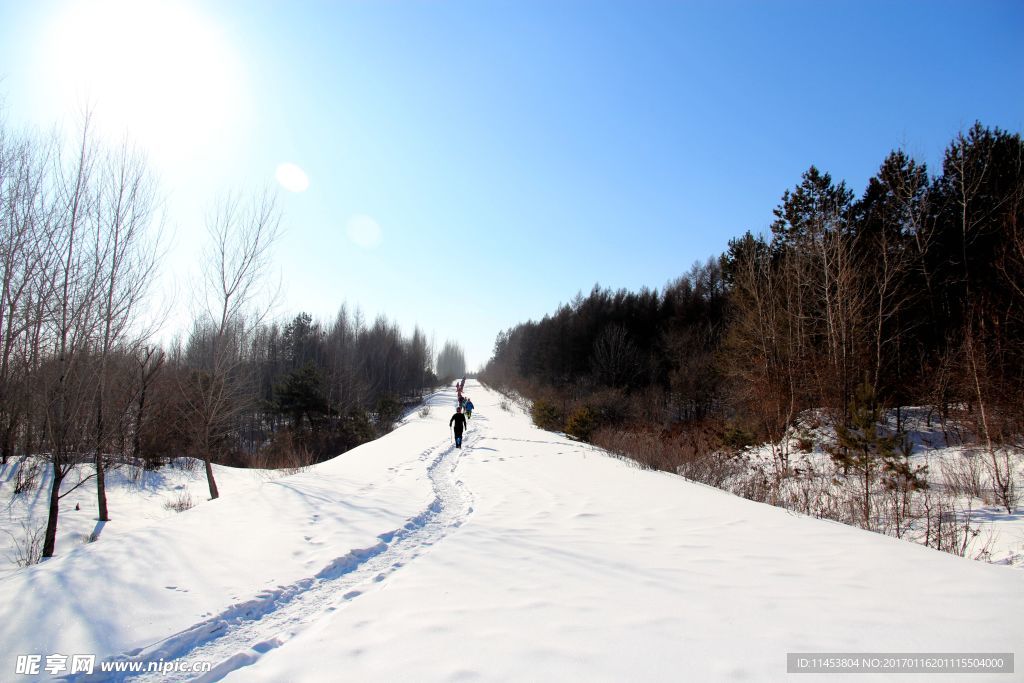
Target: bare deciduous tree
[(127, 263), (241, 235), (70, 308), (615, 357), (23, 223)]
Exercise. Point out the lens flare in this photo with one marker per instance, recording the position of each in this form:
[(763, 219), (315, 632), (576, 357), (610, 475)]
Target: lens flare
[(292, 178)]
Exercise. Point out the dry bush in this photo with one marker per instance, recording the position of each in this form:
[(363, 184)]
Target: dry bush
[(611, 407), (182, 502), (812, 492), (285, 453), (1002, 468), (701, 455), (190, 465), (949, 528), (28, 548), (962, 475), (714, 468), (27, 477), (693, 450), (626, 445), (758, 485)]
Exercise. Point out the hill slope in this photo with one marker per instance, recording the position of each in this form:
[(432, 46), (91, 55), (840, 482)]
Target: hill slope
[(523, 556)]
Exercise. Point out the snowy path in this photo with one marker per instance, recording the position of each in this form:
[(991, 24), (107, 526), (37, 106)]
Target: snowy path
[(238, 636)]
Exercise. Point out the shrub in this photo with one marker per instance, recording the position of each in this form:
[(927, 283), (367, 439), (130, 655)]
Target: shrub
[(636, 446), (186, 464), (287, 451), (737, 438), (356, 429), (581, 423), (692, 450), (389, 409), (181, 503), (27, 477), (610, 407), (28, 549), (546, 415), (962, 475)]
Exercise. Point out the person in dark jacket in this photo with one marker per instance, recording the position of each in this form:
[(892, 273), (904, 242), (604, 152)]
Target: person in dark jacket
[(459, 422)]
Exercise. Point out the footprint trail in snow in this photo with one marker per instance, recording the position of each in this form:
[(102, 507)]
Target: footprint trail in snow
[(244, 632)]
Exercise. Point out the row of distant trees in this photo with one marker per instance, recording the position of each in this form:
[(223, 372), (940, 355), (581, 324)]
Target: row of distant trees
[(81, 378), (911, 294)]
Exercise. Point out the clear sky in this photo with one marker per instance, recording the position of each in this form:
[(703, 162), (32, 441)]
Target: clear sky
[(473, 164)]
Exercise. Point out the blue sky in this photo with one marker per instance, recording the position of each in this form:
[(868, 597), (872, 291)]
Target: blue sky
[(511, 153)]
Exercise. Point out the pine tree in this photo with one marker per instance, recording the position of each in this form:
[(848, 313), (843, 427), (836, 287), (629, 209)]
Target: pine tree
[(865, 448), (301, 393)]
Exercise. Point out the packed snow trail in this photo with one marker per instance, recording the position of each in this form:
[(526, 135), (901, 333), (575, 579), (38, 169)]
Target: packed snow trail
[(238, 636)]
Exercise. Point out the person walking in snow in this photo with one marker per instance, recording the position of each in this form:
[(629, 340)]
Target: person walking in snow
[(469, 409), (459, 422)]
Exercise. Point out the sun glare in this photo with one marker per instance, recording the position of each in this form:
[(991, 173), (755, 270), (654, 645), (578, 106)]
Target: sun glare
[(155, 69), (292, 177)]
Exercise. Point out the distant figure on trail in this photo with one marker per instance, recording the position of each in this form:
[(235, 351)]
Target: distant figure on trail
[(462, 401), (469, 409), (459, 421)]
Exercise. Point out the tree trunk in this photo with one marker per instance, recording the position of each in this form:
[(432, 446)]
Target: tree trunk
[(101, 488), (137, 436), (50, 542), (867, 497), (101, 475), (7, 447), (214, 494)]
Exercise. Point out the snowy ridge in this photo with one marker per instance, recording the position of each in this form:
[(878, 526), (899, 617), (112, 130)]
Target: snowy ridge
[(237, 636)]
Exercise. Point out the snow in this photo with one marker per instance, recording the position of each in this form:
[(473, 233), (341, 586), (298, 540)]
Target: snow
[(136, 498), (939, 447), (525, 555)]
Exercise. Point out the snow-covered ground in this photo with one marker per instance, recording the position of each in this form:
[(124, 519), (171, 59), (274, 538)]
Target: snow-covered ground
[(523, 556), (990, 533), (135, 498)]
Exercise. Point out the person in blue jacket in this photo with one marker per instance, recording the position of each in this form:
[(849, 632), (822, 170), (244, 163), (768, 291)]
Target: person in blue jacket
[(469, 408)]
